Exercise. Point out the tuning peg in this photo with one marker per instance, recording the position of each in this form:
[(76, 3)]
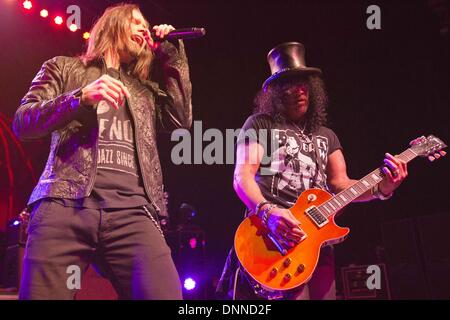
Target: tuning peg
[(437, 155), (431, 158), (442, 152), (417, 140)]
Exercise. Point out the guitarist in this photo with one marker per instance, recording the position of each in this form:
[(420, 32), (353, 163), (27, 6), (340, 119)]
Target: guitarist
[(270, 175)]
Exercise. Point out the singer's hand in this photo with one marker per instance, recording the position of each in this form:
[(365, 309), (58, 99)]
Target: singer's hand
[(160, 31), (104, 88)]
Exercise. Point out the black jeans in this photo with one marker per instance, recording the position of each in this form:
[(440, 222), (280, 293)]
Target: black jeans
[(125, 244)]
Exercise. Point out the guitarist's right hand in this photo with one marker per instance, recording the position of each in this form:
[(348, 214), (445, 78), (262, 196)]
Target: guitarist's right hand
[(285, 226)]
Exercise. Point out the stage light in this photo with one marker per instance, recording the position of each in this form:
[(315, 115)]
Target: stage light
[(189, 284), (58, 20), (16, 223), (73, 27), (86, 35), (193, 243), (44, 13), (27, 4)]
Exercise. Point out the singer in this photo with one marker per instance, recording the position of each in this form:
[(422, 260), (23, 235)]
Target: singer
[(100, 197)]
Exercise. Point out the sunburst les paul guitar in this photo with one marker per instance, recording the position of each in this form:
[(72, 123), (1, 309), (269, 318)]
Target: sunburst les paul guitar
[(275, 268)]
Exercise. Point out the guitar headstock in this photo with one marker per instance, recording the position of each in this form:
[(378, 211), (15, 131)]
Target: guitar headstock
[(430, 147)]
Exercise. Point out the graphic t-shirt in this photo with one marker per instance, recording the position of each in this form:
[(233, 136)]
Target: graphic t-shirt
[(289, 165), (118, 183)]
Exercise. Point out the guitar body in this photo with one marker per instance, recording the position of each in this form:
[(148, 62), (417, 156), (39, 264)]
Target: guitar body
[(275, 269), (262, 260)]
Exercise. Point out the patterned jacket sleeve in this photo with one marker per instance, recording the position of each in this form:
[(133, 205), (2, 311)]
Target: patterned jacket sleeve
[(46, 107), (174, 97)]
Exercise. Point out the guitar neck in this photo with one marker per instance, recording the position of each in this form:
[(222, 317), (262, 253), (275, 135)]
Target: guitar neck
[(343, 198)]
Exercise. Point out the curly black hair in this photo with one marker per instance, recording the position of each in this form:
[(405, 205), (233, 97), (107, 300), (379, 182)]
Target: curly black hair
[(269, 100)]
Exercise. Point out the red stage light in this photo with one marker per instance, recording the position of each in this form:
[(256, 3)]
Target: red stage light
[(44, 13), (58, 20), (27, 4), (73, 27), (86, 35)]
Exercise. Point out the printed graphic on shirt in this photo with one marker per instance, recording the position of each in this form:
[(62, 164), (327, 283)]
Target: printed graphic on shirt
[(294, 163), (116, 140)]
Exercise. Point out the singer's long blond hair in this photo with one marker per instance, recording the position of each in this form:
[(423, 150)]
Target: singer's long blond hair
[(112, 31)]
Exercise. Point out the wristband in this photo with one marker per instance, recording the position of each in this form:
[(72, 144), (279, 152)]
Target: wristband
[(260, 205), (376, 192), (266, 214)]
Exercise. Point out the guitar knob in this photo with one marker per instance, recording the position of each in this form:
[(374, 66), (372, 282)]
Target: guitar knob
[(301, 268), (287, 262), (287, 277), (274, 272), (312, 197)]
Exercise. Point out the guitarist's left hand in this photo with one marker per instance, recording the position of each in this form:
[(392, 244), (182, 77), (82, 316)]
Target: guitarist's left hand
[(396, 171)]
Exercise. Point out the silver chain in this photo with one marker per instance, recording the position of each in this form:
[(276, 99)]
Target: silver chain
[(302, 131), (153, 219)]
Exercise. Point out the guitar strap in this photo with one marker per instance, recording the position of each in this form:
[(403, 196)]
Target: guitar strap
[(318, 162)]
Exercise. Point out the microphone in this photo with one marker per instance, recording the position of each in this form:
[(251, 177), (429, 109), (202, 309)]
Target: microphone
[(183, 34)]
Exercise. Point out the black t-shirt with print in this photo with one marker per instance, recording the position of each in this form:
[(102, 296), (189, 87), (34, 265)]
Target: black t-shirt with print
[(118, 183), (289, 165)]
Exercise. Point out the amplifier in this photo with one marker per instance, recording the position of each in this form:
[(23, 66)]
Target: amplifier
[(365, 282)]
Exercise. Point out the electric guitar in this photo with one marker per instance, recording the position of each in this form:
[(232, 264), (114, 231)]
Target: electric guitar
[(275, 268)]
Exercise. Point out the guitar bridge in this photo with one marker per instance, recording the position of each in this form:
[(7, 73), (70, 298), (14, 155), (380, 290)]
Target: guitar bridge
[(278, 245), (316, 216)]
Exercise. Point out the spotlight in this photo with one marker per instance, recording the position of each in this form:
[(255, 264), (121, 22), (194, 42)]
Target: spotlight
[(193, 243), (27, 4), (58, 20), (86, 35), (16, 223), (73, 27), (189, 284), (44, 13)]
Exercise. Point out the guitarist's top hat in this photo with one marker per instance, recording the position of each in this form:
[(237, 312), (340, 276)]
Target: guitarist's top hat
[(288, 59)]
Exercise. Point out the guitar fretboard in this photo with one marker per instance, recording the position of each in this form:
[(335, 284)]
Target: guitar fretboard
[(346, 196)]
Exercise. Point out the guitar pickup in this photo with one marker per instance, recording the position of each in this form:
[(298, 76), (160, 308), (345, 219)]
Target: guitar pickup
[(316, 216)]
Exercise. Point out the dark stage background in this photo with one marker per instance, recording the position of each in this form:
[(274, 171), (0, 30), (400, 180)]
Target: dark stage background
[(386, 88)]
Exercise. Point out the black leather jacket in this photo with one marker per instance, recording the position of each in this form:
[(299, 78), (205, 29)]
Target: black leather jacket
[(52, 106)]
